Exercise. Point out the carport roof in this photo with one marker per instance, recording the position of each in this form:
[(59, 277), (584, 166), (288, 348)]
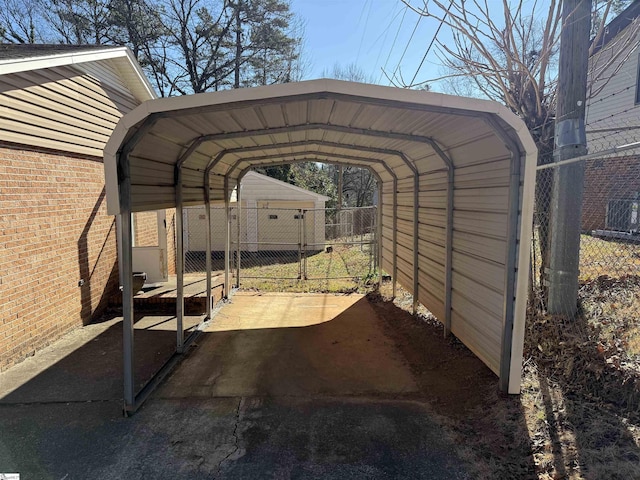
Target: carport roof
[(397, 133)]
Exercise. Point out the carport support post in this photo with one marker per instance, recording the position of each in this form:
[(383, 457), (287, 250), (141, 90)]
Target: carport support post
[(379, 233), (207, 215), (395, 237), (416, 210), (227, 237), (448, 274), (238, 224), (127, 285), (179, 263)]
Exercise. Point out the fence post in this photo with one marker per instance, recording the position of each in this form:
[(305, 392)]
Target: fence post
[(300, 228), (239, 236), (304, 244)]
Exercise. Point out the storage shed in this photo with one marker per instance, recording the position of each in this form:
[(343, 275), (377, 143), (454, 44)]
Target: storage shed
[(260, 231), (456, 174)]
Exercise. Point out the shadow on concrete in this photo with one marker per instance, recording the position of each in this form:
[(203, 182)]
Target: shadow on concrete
[(335, 398), (93, 370), (463, 392)]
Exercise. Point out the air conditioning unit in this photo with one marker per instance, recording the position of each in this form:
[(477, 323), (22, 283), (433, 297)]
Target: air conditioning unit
[(622, 215)]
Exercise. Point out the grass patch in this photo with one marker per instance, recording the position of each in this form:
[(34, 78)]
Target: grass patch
[(607, 257), (600, 257), (343, 269)]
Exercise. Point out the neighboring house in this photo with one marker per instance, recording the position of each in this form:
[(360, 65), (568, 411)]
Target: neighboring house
[(269, 214), (612, 185), (58, 254)]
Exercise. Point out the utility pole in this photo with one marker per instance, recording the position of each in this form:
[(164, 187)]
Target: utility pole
[(570, 142)]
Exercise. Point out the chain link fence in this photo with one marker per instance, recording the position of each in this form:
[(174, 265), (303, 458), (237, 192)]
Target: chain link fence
[(302, 249), (609, 236)]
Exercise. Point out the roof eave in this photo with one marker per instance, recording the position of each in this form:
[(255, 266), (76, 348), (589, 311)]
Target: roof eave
[(144, 90)]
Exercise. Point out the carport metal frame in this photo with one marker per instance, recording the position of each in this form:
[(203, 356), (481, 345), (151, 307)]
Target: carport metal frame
[(518, 155)]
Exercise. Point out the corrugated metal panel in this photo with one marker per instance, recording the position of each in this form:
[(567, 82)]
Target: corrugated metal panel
[(428, 295), (493, 225), (487, 248), (485, 175), (494, 200), (479, 270), (433, 264), (482, 343)]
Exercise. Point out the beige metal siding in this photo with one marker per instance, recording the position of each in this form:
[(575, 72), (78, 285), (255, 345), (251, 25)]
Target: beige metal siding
[(62, 108), (479, 251)]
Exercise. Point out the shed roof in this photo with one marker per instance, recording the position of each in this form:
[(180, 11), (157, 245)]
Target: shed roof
[(255, 178)]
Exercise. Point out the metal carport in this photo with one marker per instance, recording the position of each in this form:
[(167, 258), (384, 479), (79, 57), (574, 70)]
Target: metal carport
[(457, 180)]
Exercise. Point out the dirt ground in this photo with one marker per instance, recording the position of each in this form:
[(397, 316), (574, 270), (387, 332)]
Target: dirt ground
[(568, 423), (489, 428)]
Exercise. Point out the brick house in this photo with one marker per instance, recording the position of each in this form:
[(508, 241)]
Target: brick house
[(612, 185), (58, 252)]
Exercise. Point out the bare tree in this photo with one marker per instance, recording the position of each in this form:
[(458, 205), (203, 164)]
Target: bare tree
[(19, 22), (351, 72), (358, 184), (507, 52)]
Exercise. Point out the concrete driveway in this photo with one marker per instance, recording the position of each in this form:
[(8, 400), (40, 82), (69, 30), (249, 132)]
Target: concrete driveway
[(279, 386)]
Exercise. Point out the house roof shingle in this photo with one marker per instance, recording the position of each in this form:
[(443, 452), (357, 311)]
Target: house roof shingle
[(9, 51), (618, 24)]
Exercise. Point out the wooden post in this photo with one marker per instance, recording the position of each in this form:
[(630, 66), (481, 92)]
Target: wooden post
[(570, 142)]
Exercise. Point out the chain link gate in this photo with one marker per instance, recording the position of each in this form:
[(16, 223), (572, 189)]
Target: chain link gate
[(304, 249)]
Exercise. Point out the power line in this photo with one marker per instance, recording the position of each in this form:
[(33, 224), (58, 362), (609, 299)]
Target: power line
[(394, 42), (406, 47), (432, 42), (384, 33), (364, 31)]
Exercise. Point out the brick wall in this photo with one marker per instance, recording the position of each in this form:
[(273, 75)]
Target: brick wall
[(171, 241), (605, 180), (54, 233), (146, 229)]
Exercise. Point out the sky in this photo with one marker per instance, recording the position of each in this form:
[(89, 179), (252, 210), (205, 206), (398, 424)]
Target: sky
[(373, 34)]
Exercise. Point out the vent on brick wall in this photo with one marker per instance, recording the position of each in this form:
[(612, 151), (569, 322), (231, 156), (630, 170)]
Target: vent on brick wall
[(622, 215)]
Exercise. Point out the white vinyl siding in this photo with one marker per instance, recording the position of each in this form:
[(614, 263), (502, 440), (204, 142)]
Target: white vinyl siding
[(616, 103)]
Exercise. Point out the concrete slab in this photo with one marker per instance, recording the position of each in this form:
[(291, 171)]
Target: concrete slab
[(293, 344), (86, 364), (279, 386)]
